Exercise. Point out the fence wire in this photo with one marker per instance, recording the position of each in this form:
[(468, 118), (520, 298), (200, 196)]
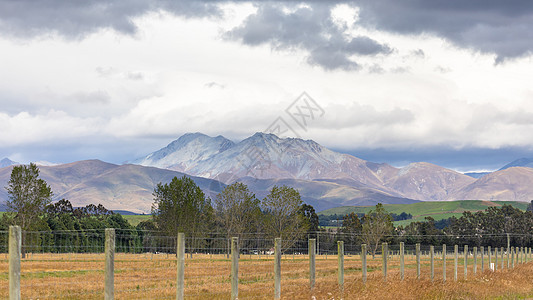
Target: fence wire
[(70, 264)]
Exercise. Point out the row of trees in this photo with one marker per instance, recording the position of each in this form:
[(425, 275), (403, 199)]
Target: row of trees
[(495, 226), (181, 206)]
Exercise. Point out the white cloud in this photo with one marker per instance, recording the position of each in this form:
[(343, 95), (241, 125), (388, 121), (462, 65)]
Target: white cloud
[(25, 128), (179, 75)]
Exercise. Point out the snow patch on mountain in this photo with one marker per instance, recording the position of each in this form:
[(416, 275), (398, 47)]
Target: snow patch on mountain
[(186, 152)]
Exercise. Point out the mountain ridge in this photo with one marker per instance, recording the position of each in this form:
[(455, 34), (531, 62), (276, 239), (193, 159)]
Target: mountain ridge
[(266, 156), (325, 178)]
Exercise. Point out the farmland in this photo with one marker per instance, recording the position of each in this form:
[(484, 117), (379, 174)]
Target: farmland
[(438, 210), (81, 276), (134, 220)]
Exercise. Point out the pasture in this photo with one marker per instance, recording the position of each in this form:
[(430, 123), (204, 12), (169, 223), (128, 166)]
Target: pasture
[(207, 276)]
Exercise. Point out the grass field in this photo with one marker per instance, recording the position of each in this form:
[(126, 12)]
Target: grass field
[(436, 209), (153, 276), (134, 220)]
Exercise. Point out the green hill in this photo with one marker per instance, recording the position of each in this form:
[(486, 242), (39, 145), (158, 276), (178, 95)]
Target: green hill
[(134, 220), (438, 210)]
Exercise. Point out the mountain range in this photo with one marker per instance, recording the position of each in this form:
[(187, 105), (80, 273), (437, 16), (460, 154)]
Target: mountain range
[(267, 157), (117, 187), (325, 178)]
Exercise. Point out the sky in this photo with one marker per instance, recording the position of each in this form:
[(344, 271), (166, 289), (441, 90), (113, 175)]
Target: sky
[(448, 82)]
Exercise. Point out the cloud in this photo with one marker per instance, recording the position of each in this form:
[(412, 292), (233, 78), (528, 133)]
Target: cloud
[(310, 28), (76, 19), (355, 114), (213, 84), (25, 128), (499, 27), (100, 97)]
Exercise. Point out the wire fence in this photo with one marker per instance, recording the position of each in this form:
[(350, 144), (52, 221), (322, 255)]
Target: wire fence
[(72, 264)]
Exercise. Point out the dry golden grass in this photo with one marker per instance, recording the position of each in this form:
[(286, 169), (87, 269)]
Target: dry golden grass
[(147, 276)]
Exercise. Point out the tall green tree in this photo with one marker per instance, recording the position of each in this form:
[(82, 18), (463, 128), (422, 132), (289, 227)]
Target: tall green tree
[(238, 210), (307, 211), (377, 224), (283, 219), (181, 206), (28, 195), (351, 227)]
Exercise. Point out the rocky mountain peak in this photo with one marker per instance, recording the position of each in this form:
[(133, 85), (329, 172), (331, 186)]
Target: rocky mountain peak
[(6, 162)]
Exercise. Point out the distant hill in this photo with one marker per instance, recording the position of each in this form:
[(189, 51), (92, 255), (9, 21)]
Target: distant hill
[(476, 175), (117, 187), (129, 187), (512, 183), (323, 194), (521, 162), (438, 210), (6, 162)]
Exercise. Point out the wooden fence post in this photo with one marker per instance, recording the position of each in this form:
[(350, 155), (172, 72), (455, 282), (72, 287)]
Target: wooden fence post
[(490, 257), (277, 268), (495, 258), (465, 251), (431, 252), (482, 259), (180, 286), (312, 251), (443, 262), (109, 289), (508, 251), (418, 261), (384, 252), (15, 242), (512, 257), (340, 262), (456, 257), (475, 260), (234, 268), (502, 252), (363, 261), (402, 262)]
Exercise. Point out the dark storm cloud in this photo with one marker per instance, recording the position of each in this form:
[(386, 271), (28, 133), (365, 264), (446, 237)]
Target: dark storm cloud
[(490, 26), (75, 19), (310, 28)]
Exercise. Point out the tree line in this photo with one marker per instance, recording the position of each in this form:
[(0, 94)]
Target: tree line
[(181, 206), (495, 226)]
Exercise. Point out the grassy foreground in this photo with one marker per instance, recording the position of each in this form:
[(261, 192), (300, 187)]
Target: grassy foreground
[(438, 210), (153, 276)]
